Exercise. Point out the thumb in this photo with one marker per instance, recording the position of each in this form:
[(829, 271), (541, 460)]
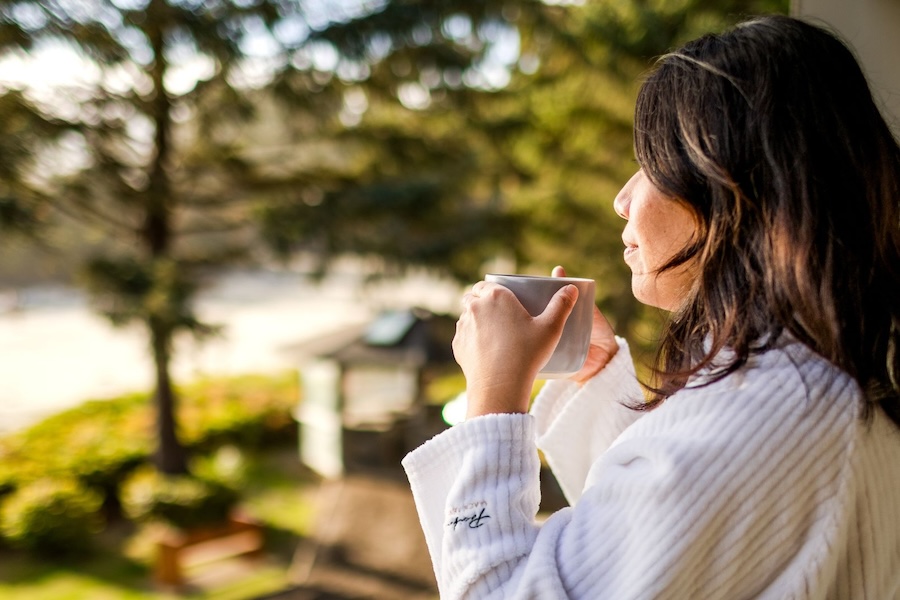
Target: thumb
[(561, 305)]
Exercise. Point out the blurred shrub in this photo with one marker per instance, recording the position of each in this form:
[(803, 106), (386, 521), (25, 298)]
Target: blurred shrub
[(225, 467), (445, 387), (7, 480), (96, 443), (250, 412), (51, 516), (179, 500), (101, 442)]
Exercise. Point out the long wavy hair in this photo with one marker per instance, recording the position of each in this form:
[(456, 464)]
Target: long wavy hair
[(769, 133)]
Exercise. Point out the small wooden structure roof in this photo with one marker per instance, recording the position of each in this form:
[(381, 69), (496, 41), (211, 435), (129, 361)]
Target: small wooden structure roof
[(413, 337)]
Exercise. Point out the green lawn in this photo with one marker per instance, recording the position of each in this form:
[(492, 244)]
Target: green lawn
[(279, 494)]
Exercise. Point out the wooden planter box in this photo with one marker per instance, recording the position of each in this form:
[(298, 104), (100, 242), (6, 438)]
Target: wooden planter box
[(178, 548)]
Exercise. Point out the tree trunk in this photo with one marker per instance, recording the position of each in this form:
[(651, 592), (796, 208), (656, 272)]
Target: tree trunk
[(170, 457)]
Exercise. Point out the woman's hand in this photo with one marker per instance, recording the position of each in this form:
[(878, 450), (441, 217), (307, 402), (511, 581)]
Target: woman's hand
[(603, 343), (501, 348)]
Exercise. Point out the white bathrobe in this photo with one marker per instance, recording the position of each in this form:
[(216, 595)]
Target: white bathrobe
[(766, 484)]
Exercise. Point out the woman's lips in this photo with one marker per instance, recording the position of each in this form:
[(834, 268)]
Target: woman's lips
[(629, 250)]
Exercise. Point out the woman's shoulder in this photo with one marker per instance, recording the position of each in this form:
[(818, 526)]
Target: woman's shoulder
[(786, 391), (790, 376)]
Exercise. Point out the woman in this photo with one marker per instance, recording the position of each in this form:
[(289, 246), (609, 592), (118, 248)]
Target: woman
[(766, 218)]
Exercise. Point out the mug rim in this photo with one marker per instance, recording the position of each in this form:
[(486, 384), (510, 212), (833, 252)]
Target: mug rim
[(539, 277)]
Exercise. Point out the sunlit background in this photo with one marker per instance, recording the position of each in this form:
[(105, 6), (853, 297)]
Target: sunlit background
[(233, 239)]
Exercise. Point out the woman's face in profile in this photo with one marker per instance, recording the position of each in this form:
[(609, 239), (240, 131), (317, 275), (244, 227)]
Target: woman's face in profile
[(658, 228)]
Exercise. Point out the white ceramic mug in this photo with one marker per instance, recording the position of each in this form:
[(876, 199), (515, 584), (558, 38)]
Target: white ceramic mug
[(535, 293)]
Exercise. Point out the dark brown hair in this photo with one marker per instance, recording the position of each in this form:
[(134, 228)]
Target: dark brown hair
[(769, 133)]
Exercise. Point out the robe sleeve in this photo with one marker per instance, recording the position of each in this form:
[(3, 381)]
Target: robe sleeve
[(576, 424)]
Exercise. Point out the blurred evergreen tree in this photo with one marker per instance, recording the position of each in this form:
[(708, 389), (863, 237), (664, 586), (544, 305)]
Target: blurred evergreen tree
[(421, 194), (121, 167), (547, 114), (24, 133), (189, 113)]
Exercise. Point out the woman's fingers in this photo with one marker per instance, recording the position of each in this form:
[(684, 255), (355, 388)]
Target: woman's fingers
[(603, 341), (482, 288), (560, 306)]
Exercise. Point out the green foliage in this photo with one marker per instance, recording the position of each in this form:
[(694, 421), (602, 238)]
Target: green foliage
[(125, 289), (95, 443), (204, 497), (25, 133), (252, 411), (445, 387), (55, 476), (279, 494), (402, 222), (645, 30), (100, 442), (51, 516), (226, 467)]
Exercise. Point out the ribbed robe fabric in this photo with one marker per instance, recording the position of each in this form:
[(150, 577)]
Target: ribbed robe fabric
[(766, 484)]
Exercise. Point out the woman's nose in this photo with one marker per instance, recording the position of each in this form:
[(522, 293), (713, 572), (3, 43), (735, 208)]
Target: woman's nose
[(622, 201)]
